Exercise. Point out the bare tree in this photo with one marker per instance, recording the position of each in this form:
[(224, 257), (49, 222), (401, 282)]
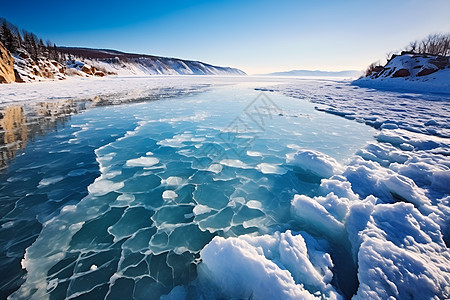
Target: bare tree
[(434, 44)]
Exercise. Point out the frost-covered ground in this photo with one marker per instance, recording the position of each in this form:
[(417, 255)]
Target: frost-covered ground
[(121, 88), (374, 222)]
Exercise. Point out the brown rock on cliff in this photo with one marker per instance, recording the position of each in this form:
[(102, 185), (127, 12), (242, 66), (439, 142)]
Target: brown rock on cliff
[(401, 73), (6, 66)]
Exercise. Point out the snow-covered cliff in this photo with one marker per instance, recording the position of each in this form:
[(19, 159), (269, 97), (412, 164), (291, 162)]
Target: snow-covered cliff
[(83, 62), (121, 63), (411, 72)]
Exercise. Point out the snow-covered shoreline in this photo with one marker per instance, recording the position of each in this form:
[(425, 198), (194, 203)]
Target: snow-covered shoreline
[(441, 86), (125, 87)]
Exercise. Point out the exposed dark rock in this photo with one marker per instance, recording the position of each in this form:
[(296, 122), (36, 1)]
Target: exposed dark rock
[(401, 73), (426, 71)]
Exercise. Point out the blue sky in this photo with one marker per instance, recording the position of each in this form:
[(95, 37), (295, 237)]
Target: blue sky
[(257, 36)]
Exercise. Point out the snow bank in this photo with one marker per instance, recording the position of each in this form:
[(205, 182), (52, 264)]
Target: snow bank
[(279, 266), (402, 254), (391, 203)]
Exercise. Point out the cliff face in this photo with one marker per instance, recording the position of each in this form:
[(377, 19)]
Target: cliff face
[(28, 70), (6, 66), (20, 67)]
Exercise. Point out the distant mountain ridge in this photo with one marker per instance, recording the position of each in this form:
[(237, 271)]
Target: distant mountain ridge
[(346, 73), (123, 63)]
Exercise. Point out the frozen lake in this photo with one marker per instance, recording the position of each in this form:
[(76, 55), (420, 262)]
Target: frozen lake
[(121, 201)]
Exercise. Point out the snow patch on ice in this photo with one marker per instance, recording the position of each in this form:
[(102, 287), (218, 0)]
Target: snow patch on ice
[(266, 168), (102, 187), (169, 195), (142, 162), (50, 180), (234, 163)]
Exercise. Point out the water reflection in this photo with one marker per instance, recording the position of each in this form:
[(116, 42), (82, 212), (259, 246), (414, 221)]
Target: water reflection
[(21, 123)]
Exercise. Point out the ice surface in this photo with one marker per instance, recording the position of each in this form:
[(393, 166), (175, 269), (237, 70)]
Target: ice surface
[(415, 112), (171, 184), (310, 205)]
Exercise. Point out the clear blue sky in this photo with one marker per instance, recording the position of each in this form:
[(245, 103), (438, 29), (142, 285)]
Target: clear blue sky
[(257, 36)]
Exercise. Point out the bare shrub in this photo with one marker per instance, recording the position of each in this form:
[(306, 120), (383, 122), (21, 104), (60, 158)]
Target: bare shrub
[(434, 44), (374, 67)]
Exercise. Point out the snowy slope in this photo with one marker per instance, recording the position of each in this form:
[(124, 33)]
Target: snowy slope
[(28, 70), (83, 62), (411, 72), (126, 64)]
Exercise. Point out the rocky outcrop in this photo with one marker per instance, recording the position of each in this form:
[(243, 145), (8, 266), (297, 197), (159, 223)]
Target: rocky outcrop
[(29, 70), (83, 69), (6, 66), (401, 73), (411, 72), (410, 65)]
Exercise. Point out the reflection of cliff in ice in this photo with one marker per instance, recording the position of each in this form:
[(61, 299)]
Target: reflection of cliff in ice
[(13, 135), (21, 123)]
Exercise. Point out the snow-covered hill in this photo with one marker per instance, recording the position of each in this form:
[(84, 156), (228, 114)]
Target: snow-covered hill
[(140, 64), (411, 72), (83, 62)]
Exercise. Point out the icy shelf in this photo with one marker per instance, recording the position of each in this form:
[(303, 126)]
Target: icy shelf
[(193, 168)]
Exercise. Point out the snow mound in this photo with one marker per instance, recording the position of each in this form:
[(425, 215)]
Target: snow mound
[(279, 266), (314, 163), (402, 254)]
